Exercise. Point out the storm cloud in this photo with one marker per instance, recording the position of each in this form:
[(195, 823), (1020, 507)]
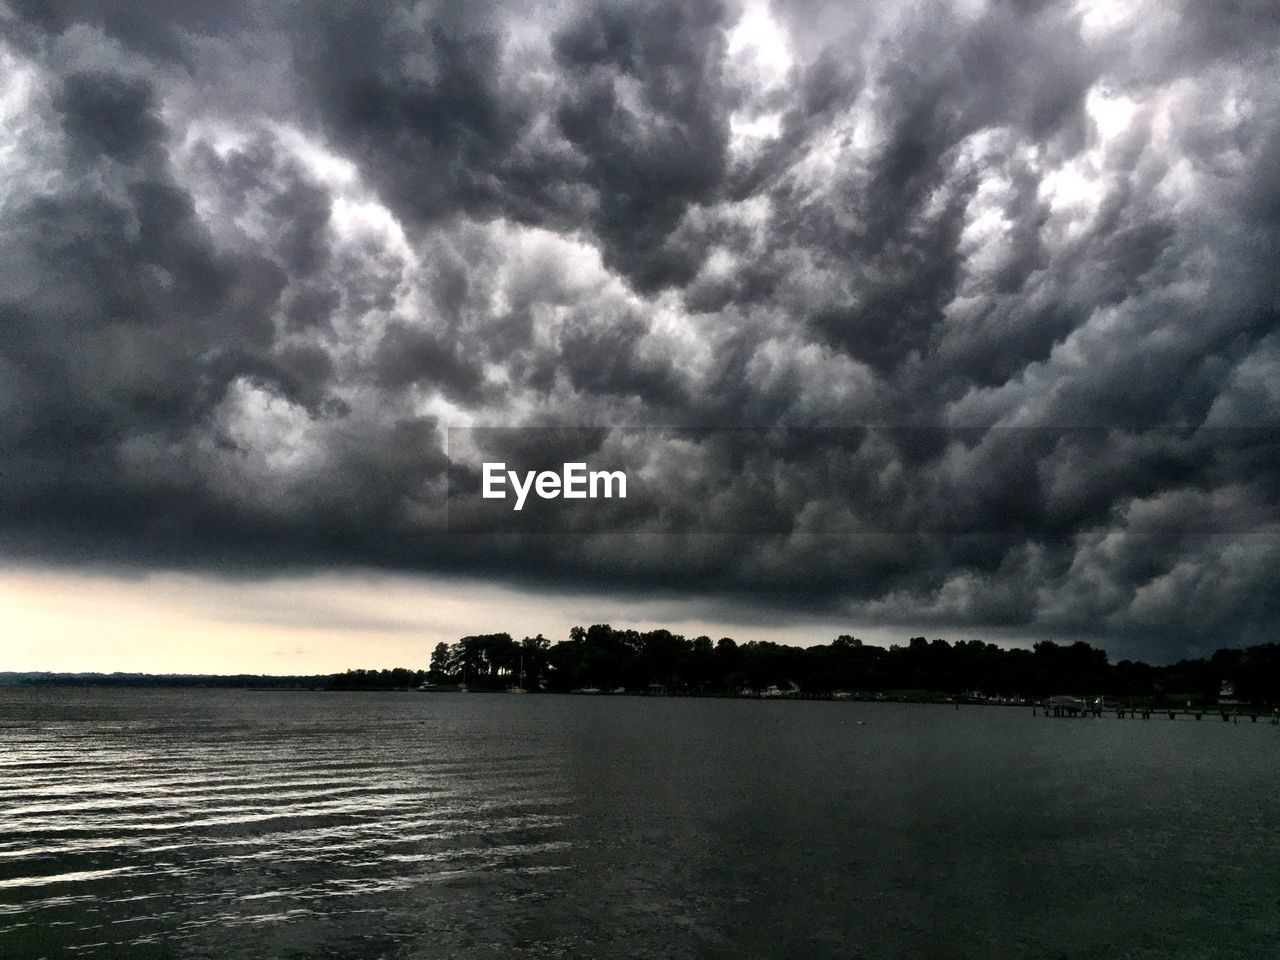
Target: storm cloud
[(256, 265)]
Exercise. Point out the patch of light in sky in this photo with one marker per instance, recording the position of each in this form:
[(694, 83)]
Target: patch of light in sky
[(1110, 112), (757, 38), (1101, 17), (764, 126), (321, 163)]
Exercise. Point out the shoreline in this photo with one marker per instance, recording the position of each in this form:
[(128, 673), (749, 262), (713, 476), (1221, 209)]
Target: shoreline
[(1145, 708)]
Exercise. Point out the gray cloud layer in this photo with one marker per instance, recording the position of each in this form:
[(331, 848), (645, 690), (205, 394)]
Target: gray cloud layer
[(254, 263)]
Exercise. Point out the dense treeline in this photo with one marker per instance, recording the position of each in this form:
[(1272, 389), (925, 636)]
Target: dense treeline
[(397, 679), (603, 658)]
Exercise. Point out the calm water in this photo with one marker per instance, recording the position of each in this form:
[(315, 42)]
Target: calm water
[(242, 824)]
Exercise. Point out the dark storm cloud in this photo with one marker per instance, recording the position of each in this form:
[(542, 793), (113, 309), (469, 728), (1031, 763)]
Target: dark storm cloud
[(633, 131), (408, 355), (105, 115), (650, 155), (255, 262), (419, 103)]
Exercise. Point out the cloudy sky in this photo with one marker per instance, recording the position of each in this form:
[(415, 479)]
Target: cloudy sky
[(258, 263)]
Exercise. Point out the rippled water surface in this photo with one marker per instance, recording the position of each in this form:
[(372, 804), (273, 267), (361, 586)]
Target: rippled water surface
[(227, 824)]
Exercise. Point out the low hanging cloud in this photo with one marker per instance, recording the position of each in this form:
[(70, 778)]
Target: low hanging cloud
[(257, 263)]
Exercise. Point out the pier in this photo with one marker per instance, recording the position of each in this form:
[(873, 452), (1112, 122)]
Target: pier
[(1078, 707)]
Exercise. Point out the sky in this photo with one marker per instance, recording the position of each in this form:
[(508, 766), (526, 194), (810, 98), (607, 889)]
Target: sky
[(956, 319)]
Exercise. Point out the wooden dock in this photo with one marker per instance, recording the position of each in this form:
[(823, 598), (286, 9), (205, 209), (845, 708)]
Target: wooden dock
[(1120, 712)]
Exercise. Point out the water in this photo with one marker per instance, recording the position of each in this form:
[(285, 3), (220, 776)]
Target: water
[(228, 824)]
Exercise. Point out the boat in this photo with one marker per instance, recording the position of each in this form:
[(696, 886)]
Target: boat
[(520, 688)]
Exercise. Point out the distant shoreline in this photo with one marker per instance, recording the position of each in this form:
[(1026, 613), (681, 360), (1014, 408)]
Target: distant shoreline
[(322, 683), (602, 660), (164, 681)]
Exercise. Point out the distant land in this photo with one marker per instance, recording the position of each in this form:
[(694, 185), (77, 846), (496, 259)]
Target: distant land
[(38, 678), (604, 659)]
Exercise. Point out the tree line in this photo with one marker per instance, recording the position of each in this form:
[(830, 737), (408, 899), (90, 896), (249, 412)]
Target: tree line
[(605, 658)]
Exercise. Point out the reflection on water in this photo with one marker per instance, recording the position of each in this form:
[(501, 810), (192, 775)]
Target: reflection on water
[(230, 824)]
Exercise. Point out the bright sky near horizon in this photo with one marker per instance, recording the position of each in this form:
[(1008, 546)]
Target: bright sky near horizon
[(70, 621)]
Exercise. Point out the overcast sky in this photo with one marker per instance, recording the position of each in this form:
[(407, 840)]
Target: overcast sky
[(256, 260)]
